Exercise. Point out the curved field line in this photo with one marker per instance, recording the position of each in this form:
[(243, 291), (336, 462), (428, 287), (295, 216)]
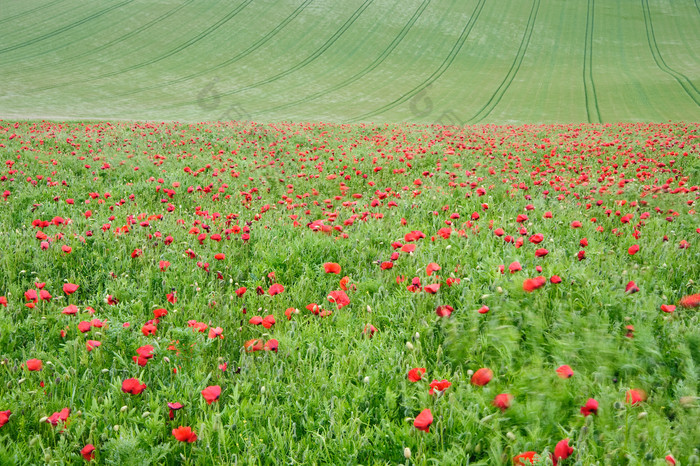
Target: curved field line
[(514, 67), (28, 12), (317, 53), (254, 46), (683, 80), (437, 73), (120, 39), (63, 29), (168, 54), (369, 68), (592, 110)]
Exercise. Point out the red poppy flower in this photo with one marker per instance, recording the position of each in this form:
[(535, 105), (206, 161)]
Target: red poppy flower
[(133, 386), (541, 252), (562, 451), (268, 321), (583, 242), (136, 253), (555, 279), (690, 301), (444, 310), (45, 295), (339, 297), (387, 265), (171, 298), (60, 416), (631, 288), (31, 295), (416, 374), (432, 267), (537, 238), (217, 332), (220, 256), (172, 408), (483, 310), (34, 365), (88, 452), (331, 267), (632, 250), (482, 376), (255, 320), (70, 288), (253, 345), (92, 344), (3, 301), (526, 459), (163, 265), (683, 244), (670, 460), (576, 224), (531, 284), (440, 386), (271, 345), (503, 401), (635, 396), (369, 330), (290, 310), (275, 289), (432, 289), (514, 267), (4, 417), (591, 407), (565, 372), (148, 329), (84, 326), (668, 308), (423, 420), (241, 291), (211, 393), (184, 434), (581, 255)]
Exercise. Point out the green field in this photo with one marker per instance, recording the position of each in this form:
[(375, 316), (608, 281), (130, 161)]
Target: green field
[(429, 61)]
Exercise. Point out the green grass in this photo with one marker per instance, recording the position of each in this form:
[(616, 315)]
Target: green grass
[(331, 395), (429, 61)]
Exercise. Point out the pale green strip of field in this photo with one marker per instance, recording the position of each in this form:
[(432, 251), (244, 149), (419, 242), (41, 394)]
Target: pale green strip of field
[(429, 61)]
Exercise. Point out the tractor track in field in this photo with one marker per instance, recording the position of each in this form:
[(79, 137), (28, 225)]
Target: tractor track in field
[(253, 47), (514, 68), (317, 53), (368, 69), (446, 63), (168, 54), (682, 79), (63, 29), (592, 110), (29, 12), (697, 5), (114, 42)]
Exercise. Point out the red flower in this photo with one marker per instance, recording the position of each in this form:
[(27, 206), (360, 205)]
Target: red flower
[(631, 288), (61, 416), (184, 434), (34, 365), (172, 408), (160, 312), (670, 460), (253, 345), (216, 332), (531, 284), (255, 320), (416, 374), (241, 291), (163, 265), (503, 401), (271, 345), (565, 372), (444, 310), (70, 288), (88, 452), (331, 267), (275, 289), (541, 252), (148, 329), (423, 420), (555, 279), (483, 310), (432, 289), (690, 301), (576, 224), (432, 267), (515, 267), (84, 326), (268, 321), (31, 295), (635, 396), (634, 249), (562, 451), (440, 386), (591, 407), (220, 256), (387, 265), (211, 393), (92, 344), (668, 308), (4, 417), (133, 386), (536, 239), (527, 458), (581, 255), (482, 376), (3, 301), (136, 253), (339, 297), (583, 242)]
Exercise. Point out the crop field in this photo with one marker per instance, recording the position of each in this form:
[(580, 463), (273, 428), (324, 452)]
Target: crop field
[(430, 61), (349, 294)]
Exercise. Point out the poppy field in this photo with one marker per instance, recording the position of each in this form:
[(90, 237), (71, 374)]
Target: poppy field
[(425, 61), (349, 294)]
